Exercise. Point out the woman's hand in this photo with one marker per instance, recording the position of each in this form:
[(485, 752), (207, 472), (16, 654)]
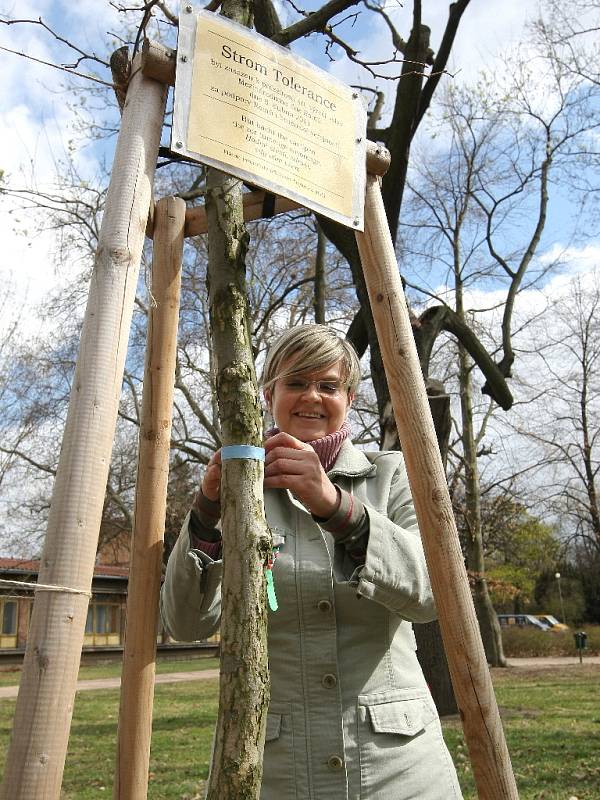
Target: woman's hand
[(294, 465), (211, 482)]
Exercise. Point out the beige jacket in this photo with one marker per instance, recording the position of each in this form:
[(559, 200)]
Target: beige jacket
[(350, 714)]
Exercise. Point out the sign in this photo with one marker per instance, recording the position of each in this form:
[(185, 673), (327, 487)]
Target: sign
[(250, 108)]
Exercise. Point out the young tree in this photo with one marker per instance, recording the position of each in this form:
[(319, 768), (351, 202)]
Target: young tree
[(518, 549)]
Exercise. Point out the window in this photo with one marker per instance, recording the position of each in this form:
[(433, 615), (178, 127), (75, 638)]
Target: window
[(8, 620), (9, 617), (102, 626)]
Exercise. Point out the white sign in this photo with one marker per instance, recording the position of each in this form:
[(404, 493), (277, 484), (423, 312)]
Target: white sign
[(250, 108)]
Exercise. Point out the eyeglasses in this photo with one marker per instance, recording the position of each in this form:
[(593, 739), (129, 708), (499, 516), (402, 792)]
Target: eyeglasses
[(300, 385)]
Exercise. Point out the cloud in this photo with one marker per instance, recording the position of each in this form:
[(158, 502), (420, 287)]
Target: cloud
[(572, 258), (476, 45), (36, 128)]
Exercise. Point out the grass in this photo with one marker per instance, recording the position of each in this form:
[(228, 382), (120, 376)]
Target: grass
[(528, 642), (184, 716), (551, 718)]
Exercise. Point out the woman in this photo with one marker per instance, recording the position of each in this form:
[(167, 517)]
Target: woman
[(350, 714)]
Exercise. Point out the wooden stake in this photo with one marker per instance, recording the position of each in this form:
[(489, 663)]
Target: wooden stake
[(45, 703), (460, 631), (254, 205), (139, 656)]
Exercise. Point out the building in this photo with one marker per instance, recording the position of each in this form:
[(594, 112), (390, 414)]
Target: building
[(105, 624)]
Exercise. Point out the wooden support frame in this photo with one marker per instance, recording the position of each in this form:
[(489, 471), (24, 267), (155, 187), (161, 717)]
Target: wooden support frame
[(40, 734), (458, 622), (36, 756), (139, 654)]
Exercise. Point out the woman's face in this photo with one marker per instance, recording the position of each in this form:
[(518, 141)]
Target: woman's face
[(310, 405)]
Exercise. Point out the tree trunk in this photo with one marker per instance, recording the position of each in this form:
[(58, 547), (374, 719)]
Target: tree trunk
[(430, 647), (320, 283), (244, 686), (433, 661), (236, 771), (491, 634)]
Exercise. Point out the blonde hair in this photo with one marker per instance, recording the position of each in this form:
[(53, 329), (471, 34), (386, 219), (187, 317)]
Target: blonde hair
[(310, 348)]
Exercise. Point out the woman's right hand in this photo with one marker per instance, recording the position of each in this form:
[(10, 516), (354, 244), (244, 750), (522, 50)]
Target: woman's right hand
[(211, 482)]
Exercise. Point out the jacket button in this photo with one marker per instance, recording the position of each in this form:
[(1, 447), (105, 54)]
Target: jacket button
[(335, 762), (329, 681), (324, 606)]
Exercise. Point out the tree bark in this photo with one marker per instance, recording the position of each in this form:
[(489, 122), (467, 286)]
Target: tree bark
[(244, 687), (320, 282), (433, 661), (491, 634), (236, 771)]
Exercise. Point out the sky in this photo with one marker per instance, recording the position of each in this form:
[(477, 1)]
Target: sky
[(36, 121), (38, 129)]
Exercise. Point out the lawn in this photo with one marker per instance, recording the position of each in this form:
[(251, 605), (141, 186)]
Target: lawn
[(184, 715), (552, 722), (551, 718)]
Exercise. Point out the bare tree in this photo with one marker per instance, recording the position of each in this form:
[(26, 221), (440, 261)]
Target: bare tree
[(504, 146), (566, 428)]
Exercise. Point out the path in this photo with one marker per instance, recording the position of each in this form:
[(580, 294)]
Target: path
[(551, 661), (115, 683)]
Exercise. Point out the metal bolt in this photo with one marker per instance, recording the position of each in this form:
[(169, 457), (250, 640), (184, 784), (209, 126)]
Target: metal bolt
[(355, 95), (189, 9), (178, 144), (184, 59), (359, 140), (355, 223)]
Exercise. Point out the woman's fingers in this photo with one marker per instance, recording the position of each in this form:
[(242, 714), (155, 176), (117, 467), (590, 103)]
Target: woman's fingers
[(306, 456), (283, 465), (211, 483), (283, 439)]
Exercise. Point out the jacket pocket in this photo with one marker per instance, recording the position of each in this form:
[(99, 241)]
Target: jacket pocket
[(401, 750), (279, 778)]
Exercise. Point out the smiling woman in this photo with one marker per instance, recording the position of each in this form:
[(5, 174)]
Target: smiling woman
[(309, 380), (350, 714)]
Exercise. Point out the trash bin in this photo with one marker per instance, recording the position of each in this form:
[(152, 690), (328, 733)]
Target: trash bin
[(580, 643)]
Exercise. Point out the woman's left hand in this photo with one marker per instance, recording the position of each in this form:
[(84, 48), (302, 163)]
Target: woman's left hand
[(294, 465)]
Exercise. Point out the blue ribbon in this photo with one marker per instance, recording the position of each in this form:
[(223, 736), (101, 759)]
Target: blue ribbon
[(242, 451)]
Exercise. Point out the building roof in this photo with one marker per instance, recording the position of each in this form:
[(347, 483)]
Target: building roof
[(29, 567)]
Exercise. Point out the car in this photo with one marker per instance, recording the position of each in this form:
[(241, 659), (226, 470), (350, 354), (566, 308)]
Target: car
[(552, 622), (522, 621)]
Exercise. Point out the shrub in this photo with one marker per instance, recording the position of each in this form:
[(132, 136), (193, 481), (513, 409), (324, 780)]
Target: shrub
[(529, 642)]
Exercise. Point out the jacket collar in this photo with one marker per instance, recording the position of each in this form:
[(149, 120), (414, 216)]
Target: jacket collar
[(352, 462)]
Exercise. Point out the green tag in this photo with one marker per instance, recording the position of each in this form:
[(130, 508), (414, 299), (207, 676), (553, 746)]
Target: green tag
[(271, 596)]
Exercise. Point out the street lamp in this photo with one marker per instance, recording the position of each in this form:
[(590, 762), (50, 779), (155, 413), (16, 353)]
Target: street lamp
[(562, 605)]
